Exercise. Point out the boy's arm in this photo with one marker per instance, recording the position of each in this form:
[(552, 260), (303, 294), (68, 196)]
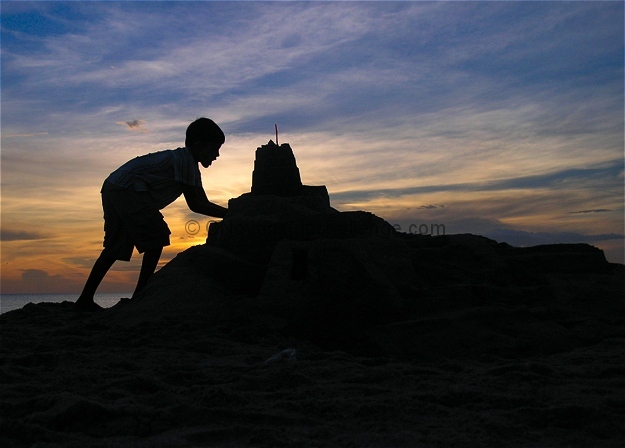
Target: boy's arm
[(199, 203)]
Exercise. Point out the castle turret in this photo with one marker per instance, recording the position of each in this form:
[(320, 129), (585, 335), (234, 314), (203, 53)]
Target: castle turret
[(275, 171)]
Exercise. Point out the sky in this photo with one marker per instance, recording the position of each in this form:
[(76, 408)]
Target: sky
[(503, 119)]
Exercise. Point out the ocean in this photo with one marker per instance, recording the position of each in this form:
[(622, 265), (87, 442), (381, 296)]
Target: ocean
[(10, 302)]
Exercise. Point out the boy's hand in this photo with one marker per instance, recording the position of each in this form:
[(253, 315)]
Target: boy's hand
[(199, 203)]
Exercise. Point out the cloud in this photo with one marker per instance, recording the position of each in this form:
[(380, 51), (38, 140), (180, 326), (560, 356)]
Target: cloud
[(555, 180), (19, 235), (594, 210), (40, 281), (241, 45), (38, 275), (133, 125), (24, 135), (431, 206)]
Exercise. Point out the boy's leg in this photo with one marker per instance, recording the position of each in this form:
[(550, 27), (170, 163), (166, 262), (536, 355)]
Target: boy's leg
[(148, 266), (117, 246), (99, 270)]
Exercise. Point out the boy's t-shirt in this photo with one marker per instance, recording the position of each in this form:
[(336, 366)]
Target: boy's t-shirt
[(160, 173)]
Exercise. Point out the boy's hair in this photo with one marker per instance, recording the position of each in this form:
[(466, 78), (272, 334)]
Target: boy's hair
[(204, 130)]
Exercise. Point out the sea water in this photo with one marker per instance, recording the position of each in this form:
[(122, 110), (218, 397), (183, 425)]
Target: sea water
[(10, 302)]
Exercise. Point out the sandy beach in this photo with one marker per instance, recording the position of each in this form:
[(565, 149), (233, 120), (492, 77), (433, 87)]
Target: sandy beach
[(214, 370)]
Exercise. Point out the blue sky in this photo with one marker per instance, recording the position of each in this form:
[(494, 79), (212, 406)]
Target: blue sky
[(503, 119)]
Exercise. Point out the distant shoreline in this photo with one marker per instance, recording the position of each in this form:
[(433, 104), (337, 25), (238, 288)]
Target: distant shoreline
[(11, 302)]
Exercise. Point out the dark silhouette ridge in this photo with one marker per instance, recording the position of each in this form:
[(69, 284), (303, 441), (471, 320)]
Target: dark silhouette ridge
[(348, 280)]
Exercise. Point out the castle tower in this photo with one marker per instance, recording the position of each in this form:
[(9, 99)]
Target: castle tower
[(275, 171)]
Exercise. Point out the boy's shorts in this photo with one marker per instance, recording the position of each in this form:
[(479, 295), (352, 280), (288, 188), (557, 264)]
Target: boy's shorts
[(131, 219)]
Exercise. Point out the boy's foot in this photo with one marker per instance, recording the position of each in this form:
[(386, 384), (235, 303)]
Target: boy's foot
[(86, 305)]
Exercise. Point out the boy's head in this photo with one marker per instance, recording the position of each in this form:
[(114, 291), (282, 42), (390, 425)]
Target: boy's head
[(204, 138), (205, 131)]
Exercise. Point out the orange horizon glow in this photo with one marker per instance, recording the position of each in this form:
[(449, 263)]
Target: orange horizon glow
[(69, 237)]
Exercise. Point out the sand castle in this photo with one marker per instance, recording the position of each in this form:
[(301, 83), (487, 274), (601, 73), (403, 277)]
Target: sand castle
[(275, 171), (333, 276)]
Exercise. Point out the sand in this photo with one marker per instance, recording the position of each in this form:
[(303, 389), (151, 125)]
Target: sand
[(192, 376)]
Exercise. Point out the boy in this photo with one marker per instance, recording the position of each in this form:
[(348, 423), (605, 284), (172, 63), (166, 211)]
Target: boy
[(133, 195)]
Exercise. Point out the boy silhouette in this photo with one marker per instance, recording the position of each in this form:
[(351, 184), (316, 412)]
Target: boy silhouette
[(134, 194)]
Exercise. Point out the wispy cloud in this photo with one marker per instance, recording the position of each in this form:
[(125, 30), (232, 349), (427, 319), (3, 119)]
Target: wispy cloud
[(24, 135), (595, 210), (430, 207), (554, 180), (19, 235)]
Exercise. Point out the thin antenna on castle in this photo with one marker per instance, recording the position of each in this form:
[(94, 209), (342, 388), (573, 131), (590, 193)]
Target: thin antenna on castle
[(276, 126)]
